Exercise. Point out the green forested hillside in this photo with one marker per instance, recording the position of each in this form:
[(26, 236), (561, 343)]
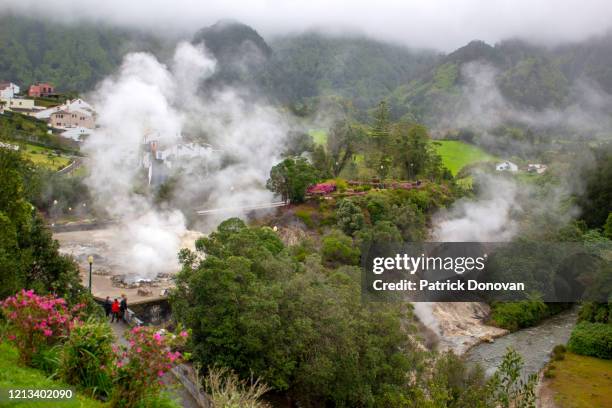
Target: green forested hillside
[(358, 68), (419, 84), (528, 77), (72, 57)]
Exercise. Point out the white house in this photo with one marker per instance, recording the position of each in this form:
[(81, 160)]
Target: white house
[(8, 90), (75, 105), (506, 166), (46, 113), (79, 104), (18, 103), (159, 162), (76, 133)]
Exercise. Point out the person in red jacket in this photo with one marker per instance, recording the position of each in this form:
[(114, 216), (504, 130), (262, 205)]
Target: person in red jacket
[(115, 310)]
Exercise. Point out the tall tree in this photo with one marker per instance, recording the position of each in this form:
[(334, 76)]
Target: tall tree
[(291, 177), (380, 156), (29, 256), (341, 144), (411, 148)]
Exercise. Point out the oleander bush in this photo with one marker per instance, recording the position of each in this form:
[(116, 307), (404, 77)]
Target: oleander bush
[(37, 322), (140, 367)]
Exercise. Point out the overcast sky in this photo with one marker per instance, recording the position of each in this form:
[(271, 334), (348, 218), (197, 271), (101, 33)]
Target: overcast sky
[(441, 24)]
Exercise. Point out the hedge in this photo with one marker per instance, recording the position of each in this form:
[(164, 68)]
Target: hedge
[(592, 339)]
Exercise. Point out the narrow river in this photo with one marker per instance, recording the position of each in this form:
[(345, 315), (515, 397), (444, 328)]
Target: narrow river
[(534, 344)]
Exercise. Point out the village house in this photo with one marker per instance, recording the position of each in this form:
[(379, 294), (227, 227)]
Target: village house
[(158, 161), (506, 166), (71, 118), (41, 89), (70, 105), (77, 134), (18, 104), (8, 90)]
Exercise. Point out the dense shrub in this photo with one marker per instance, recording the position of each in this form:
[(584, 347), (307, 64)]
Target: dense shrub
[(350, 217), (87, 357), (140, 367), (595, 312), (338, 249), (37, 322), (558, 352), (592, 339), (517, 315), (47, 359)]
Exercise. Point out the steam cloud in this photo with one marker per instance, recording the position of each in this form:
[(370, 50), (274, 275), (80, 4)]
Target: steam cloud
[(488, 219), (149, 99), (496, 213), (486, 107)]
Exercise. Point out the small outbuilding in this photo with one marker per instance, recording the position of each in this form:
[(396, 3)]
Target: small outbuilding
[(506, 166)]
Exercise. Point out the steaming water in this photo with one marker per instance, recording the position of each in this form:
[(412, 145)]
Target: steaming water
[(534, 344)]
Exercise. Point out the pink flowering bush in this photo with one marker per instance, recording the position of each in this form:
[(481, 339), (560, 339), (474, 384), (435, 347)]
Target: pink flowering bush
[(140, 367), (322, 188), (36, 322)]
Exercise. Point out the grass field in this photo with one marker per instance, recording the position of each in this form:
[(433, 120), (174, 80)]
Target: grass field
[(319, 136), (12, 375), (44, 157), (582, 382), (456, 154)]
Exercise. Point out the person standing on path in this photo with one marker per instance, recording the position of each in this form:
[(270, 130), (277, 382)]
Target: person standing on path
[(107, 306), (123, 307), (115, 309)]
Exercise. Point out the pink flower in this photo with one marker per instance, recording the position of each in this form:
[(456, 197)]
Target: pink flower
[(119, 364), (183, 334), (160, 373), (47, 332), (157, 336), (138, 350)]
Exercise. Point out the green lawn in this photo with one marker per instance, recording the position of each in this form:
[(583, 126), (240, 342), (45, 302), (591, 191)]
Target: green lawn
[(456, 154), (581, 381), (319, 136), (44, 157), (12, 375)]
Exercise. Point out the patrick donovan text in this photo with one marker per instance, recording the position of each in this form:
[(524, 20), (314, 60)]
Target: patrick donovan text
[(448, 285)]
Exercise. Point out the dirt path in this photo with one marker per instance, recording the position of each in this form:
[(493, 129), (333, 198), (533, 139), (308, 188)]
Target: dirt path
[(545, 397)]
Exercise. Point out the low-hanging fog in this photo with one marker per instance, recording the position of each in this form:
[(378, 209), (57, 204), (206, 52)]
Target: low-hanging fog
[(149, 99), (440, 24), (484, 106)]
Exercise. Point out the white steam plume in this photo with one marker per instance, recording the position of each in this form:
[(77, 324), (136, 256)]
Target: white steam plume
[(146, 97), (488, 219)]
